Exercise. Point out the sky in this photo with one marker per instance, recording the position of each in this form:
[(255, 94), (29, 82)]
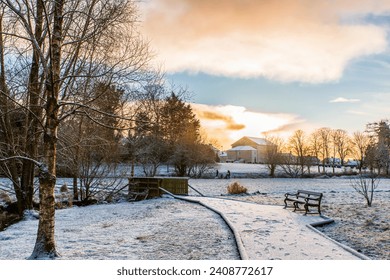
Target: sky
[(275, 66)]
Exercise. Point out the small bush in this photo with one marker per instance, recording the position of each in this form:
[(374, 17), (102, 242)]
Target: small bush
[(5, 198), (64, 200), (236, 188), (64, 188)]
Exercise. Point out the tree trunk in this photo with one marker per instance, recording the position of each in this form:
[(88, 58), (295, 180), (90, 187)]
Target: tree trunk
[(272, 170), (75, 189), (45, 246), (31, 137)]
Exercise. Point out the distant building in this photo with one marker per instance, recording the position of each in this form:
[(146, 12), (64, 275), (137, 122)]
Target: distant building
[(336, 162), (249, 150), (311, 160), (222, 156), (242, 154), (353, 163), (288, 158)]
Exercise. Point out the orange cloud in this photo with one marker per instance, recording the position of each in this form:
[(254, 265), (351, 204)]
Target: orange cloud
[(228, 120), (287, 40), (228, 123)]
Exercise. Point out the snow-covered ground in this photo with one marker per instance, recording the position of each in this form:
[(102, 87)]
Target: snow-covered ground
[(171, 229), (236, 169), (156, 229), (336, 190), (366, 229)]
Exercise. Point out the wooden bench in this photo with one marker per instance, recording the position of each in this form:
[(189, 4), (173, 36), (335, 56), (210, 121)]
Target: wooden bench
[(307, 198)]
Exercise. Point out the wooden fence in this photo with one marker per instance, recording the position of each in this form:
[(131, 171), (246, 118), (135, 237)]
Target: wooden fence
[(151, 185)]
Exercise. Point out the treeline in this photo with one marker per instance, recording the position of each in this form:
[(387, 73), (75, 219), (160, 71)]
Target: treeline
[(166, 131), (327, 147)]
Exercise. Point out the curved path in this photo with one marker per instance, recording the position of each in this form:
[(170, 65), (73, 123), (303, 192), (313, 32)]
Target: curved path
[(273, 233)]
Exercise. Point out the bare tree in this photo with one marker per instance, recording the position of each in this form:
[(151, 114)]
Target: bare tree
[(341, 141), (290, 165), (203, 157), (23, 140), (324, 135), (146, 144), (365, 186), (8, 129), (273, 153), (360, 143), (151, 153), (297, 146), (333, 151), (315, 146), (88, 150)]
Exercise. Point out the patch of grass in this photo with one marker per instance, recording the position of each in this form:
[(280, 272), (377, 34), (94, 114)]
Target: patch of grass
[(107, 225), (369, 222)]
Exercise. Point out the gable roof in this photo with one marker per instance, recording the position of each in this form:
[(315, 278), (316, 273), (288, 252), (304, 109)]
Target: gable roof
[(242, 148), (252, 141), (259, 141)]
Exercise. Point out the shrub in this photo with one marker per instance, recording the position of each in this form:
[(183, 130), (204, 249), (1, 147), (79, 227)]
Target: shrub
[(365, 186), (5, 198), (64, 188), (236, 188)]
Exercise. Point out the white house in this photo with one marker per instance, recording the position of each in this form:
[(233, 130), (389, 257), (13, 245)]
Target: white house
[(249, 149)]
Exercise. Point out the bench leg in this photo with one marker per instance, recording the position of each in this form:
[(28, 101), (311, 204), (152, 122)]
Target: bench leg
[(306, 209)]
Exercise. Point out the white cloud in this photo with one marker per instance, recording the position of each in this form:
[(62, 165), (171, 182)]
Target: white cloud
[(344, 100), (359, 113), (286, 40)]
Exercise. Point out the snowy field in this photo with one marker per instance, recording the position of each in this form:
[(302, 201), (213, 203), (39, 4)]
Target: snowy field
[(236, 169), (367, 229), (171, 229), (156, 229), (335, 190)]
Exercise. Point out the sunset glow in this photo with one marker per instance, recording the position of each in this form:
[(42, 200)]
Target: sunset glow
[(284, 40), (229, 123), (275, 66)]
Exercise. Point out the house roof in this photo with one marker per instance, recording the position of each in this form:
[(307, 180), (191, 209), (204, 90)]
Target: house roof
[(259, 141), (255, 140), (243, 148)]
